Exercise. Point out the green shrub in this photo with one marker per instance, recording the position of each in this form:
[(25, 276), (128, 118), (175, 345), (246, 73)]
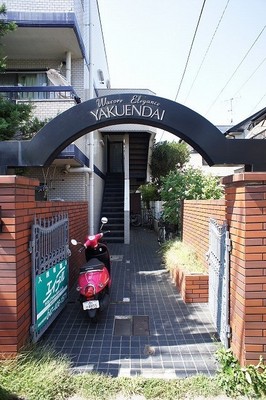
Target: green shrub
[(189, 184), (37, 373), (235, 380), (178, 254), (149, 193)]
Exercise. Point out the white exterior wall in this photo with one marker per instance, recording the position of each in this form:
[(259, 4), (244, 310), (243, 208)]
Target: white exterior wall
[(49, 108), (71, 186), (42, 5), (96, 58), (99, 53), (77, 77), (99, 151), (100, 162), (31, 64), (98, 195), (66, 187)]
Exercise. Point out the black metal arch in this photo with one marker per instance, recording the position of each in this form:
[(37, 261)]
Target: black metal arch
[(132, 108)]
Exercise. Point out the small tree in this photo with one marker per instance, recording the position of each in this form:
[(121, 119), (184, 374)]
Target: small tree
[(149, 193), (12, 117), (16, 120), (5, 27), (187, 184), (167, 157)]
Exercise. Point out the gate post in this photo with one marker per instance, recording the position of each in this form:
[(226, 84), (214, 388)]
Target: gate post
[(17, 196), (245, 196)]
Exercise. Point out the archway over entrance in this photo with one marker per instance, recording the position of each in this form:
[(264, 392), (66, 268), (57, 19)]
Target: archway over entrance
[(245, 198), (132, 108)]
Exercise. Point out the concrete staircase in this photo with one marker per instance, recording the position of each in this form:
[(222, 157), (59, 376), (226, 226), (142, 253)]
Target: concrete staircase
[(113, 207)]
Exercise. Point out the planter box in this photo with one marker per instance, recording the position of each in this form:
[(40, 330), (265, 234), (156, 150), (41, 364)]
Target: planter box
[(194, 288)]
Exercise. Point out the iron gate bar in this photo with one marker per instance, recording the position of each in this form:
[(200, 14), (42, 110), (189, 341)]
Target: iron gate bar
[(49, 248), (218, 259)]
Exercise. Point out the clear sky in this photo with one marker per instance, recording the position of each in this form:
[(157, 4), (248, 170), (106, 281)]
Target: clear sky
[(222, 76)]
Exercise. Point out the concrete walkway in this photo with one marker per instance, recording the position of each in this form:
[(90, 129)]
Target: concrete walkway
[(147, 329)]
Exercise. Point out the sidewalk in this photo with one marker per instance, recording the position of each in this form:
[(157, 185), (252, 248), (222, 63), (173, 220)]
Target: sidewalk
[(147, 329)]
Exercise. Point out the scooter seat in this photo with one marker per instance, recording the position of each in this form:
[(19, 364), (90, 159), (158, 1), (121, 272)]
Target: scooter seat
[(92, 265)]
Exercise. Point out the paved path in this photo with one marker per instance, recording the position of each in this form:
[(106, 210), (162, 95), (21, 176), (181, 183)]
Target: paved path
[(147, 329)]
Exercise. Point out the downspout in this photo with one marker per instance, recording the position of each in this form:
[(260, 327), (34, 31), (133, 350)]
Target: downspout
[(68, 67), (88, 30), (126, 190), (69, 169), (150, 150), (91, 135)]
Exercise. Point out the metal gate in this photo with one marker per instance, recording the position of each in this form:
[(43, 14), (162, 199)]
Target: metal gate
[(218, 259), (49, 253)]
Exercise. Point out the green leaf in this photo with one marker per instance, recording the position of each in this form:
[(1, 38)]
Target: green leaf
[(248, 377)]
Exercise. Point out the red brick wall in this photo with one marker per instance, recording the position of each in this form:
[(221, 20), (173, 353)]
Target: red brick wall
[(246, 214), (17, 201), (245, 207), (193, 288), (196, 216)]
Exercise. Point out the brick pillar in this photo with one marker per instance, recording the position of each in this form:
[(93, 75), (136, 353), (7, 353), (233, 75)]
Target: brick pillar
[(245, 196), (17, 196)]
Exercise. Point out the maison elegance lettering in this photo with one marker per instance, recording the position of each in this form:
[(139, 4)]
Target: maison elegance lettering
[(136, 107)]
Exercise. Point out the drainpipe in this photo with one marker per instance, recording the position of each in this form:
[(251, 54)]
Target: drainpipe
[(126, 191), (88, 28), (68, 67), (151, 144), (69, 169)]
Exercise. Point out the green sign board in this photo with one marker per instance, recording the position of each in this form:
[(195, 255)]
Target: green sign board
[(51, 291)]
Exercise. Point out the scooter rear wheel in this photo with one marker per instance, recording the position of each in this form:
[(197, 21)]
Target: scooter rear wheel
[(95, 319)]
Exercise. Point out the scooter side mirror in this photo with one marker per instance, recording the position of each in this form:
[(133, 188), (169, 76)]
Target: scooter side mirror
[(74, 242), (104, 220)]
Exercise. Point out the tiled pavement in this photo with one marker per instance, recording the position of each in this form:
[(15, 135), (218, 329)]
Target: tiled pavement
[(173, 340)]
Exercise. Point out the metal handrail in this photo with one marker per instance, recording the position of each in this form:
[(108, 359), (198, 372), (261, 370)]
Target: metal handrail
[(40, 93)]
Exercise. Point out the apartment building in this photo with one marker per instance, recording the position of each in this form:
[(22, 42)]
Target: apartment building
[(253, 127), (56, 59)]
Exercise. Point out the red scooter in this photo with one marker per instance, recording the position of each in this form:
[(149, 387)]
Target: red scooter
[(94, 279)]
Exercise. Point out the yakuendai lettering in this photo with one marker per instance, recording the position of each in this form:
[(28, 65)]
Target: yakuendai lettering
[(122, 110)]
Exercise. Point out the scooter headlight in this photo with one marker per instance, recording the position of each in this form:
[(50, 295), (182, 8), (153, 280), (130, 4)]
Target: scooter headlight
[(89, 291)]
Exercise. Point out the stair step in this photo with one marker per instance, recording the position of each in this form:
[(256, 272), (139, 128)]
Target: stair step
[(114, 193), (119, 209), (117, 202), (113, 207), (116, 233), (117, 187), (113, 212), (115, 240), (114, 227)]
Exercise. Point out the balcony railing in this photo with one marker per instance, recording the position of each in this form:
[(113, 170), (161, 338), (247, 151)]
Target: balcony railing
[(33, 93)]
